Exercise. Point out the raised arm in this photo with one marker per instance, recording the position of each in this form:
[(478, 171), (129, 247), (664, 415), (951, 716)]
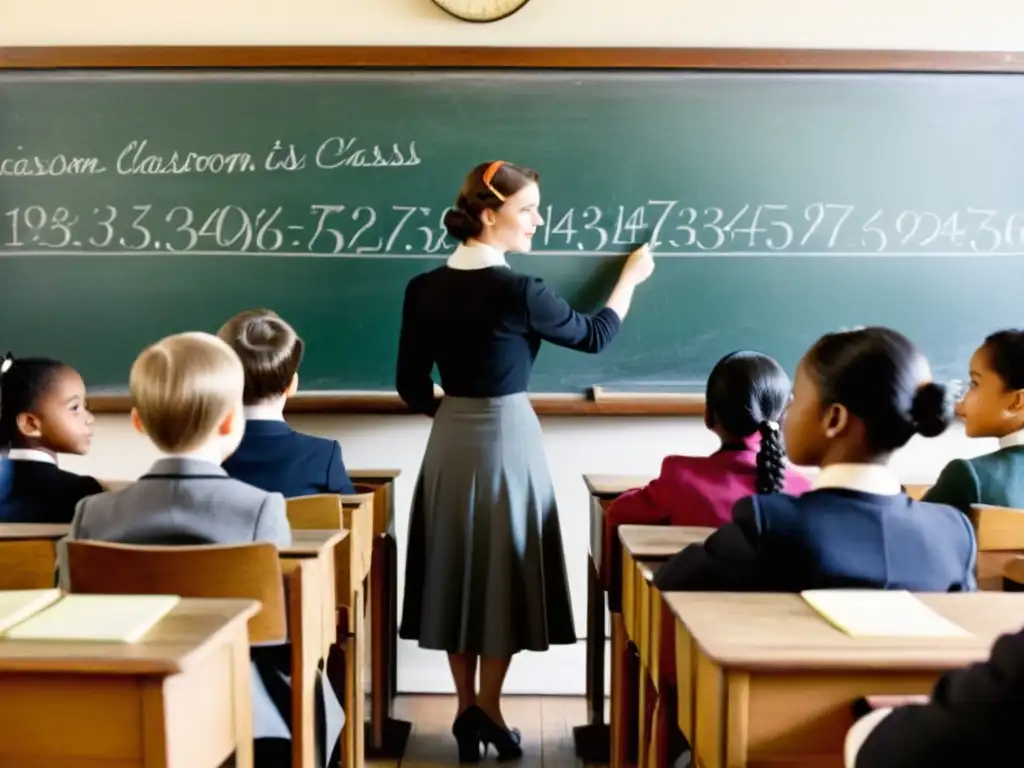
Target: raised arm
[(550, 316)]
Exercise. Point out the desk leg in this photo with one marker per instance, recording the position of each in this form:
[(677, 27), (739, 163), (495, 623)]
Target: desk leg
[(593, 740), (386, 737)]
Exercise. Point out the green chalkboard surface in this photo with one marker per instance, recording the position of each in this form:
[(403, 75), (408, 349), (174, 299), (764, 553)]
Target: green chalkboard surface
[(135, 204)]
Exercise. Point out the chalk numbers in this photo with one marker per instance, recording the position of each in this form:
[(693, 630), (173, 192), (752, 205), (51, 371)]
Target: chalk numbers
[(674, 228)]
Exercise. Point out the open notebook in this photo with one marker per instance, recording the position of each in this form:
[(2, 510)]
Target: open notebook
[(879, 613), (100, 618)]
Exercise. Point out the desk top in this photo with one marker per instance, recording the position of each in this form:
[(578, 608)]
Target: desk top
[(609, 486), (310, 542), (779, 631), (373, 474), (659, 542), (22, 531), (172, 645)]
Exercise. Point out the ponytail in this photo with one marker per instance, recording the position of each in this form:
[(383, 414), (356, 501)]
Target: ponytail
[(771, 459)]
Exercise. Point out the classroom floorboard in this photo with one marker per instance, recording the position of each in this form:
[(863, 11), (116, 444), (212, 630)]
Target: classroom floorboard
[(545, 721)]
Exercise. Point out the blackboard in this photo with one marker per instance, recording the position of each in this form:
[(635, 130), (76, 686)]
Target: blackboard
[(135, 204)]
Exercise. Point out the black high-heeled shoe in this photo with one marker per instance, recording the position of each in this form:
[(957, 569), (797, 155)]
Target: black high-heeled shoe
[(507, 741), (466, 730)]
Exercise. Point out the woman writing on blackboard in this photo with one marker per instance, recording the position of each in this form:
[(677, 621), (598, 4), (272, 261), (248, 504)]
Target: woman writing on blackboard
[(485, 575)]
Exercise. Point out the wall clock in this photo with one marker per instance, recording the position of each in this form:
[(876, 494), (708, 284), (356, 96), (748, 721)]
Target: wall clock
[(480, 10)]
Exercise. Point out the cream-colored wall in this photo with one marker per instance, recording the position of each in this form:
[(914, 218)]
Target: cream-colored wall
[(945, 24), (574, 446)]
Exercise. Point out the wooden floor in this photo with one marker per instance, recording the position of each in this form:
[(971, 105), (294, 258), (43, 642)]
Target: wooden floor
[(546, 723)]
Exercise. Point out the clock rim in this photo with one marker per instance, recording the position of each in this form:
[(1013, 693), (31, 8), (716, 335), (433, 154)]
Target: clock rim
[(453, 14)]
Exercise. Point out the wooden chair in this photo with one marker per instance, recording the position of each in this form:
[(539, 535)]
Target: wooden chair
[(1013, 575), (1000, 534), (328, 511), (27, 564), (252, 571), (916, 491)]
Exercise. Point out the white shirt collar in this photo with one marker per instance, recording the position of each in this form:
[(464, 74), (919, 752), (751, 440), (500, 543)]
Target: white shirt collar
[(866, 478), (476, 256), (1011, 440), (210, 453), (265, 412), (30, 454)]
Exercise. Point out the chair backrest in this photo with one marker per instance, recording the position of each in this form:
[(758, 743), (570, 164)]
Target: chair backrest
[(1013, 575), (321, 511), (1000, 534), (916, 491), (209, 570), (27, 564)]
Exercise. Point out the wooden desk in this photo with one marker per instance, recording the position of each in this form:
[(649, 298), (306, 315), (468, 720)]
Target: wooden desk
[(26, 531), (335, 569), (321, 547), (775, 680), (386, 736), (178, 698), (593, 739), (644, 548)]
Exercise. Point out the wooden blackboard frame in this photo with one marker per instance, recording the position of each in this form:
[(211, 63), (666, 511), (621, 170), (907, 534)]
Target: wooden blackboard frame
[(275, 57)]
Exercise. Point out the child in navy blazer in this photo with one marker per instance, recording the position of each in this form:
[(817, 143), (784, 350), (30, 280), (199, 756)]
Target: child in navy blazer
[(43, 414), (858, 396), (272, 455)]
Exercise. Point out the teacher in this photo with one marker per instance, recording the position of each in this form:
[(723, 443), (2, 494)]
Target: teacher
[(485, 573)]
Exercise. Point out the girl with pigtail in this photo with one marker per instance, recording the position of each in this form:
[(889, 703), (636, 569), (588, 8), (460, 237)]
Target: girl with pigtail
[(745, 398)]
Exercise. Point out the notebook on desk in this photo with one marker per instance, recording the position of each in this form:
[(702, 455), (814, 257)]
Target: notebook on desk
[(17, 605), (100, 618), (880, 613)]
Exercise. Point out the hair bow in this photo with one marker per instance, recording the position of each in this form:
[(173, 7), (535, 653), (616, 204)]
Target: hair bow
[(6, 363)]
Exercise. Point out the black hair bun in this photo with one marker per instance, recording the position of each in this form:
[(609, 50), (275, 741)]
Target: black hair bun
[(933, 409), (461, 225)]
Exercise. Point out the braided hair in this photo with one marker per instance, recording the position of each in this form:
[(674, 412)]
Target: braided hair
[(771, 459), (23, 381), (747, 393)]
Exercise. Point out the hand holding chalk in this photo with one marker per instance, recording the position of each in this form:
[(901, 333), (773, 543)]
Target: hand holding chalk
[(639, 265)]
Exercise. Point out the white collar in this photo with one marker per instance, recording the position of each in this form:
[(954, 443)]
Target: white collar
[(476, 256), (211, 453), (31, 454), (1013, 439), (866, 478), (264, 412)]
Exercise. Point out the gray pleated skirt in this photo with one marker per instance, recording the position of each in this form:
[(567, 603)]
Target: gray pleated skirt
[(485, 572)]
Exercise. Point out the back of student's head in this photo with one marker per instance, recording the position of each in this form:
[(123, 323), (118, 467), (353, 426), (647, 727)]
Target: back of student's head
[(270, 351), (25, 385), (184, 387), (880, 377), (747, 393)]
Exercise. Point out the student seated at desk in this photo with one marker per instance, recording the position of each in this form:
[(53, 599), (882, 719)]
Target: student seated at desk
[(972, 719), (992, 407), (272, 455), (187, 391), (745, 397), (857, 397), (42, 414)]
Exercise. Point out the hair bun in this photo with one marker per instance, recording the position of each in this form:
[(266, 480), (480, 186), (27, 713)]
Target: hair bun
[(933, 409), (461, 225)]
